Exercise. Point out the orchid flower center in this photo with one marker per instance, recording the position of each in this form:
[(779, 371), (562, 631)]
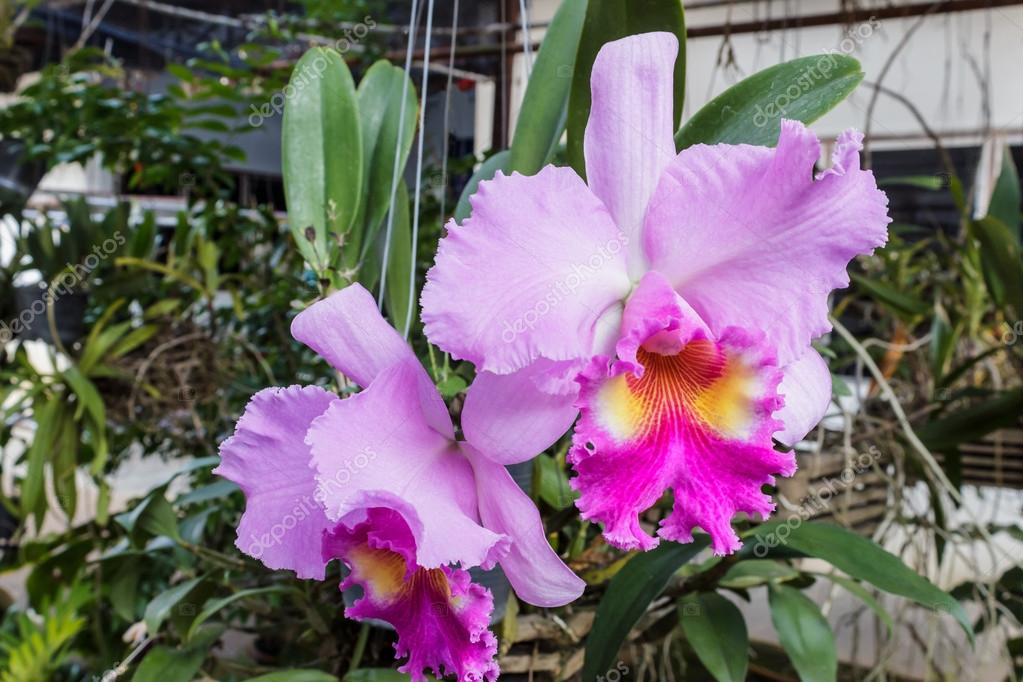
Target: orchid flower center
[(699, 387)]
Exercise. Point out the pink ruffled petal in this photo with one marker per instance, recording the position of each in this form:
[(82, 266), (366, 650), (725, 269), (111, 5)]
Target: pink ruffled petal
[(376, 449), (630, 134), (806, 388), (535, 571), (440, 616), (511, 418), (347, 330), (268, 458), (749, 239), (697, 420), (530, 274)]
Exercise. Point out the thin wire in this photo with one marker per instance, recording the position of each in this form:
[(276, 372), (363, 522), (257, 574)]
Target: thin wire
[(526, 39), (419, 168), (412, 23), (447, 115)]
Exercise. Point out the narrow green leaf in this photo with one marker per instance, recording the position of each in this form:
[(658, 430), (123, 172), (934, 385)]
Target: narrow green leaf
[(296, 676), (607, 21), (974, 422), (321, 155), (804, 633), (717, 632), (754, 572), (400, 262), (544, 108), (750, 111), (902, 304), (1005, 199), (380, 111), (628, 595), (48, 419), (161, 606), (487, 170), (864, 596), (1002, 264), (860, 558), (213, 607)]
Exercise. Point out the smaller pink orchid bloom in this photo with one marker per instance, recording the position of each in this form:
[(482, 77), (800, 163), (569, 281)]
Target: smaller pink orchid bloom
[(379, 481), (670, 299)]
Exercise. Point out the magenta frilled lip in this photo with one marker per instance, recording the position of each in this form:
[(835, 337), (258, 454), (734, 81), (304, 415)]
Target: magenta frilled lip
[(670, 298)]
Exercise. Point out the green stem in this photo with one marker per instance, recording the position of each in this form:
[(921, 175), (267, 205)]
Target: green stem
[(360, 647)]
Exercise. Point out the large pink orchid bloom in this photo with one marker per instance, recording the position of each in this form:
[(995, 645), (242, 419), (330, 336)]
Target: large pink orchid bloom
[(379, 481), (670, 299)]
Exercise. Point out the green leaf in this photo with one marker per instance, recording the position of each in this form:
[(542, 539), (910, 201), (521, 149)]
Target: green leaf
[(164, 664), (1005, 199), (607, 21), (864, 596), (487, 170), (321, 155), (750, 111), (88, 396), (1002, 265), (161, 606), (974, 422), (861, 559), (153, 516), (379, 675), (804, 633), (628, 595), (296, 676), (902, 304), (400, 263), (212, 607), (124, 589), (932, 182), (717, 632), (754, 572), (544, 107), (48, 428), (380, 112), (214, 491)]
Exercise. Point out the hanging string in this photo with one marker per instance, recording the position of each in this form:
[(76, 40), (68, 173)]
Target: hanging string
[(419, 168), (447, 115), (412, 24), (527, 41)]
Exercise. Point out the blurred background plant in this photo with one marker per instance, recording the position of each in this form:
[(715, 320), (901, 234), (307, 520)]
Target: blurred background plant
[(118, 551)]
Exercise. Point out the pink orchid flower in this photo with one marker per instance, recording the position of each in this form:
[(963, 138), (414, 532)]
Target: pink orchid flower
[(379, 481), (670, 298)]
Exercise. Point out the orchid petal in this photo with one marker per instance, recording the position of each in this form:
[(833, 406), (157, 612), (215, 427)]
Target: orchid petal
[(347, 330), (806, 387), (629, 137), (749, 239), (440, 616), (535, 571), (530, 274), (511, 418), (377, 449), (267, 458)]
